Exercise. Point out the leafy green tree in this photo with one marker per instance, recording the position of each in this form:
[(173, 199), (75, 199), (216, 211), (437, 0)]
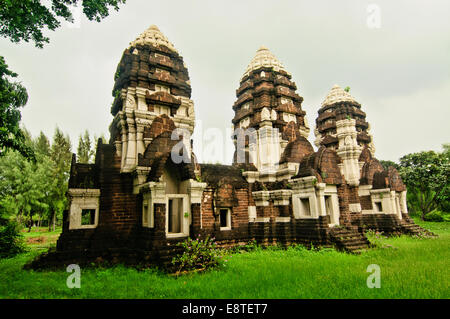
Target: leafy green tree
[(13, 96), (24, 20), (446, 148), (42, 145), (84, 150), (30, 189), (102, 137), (387, 164), (25, 185), (426, 175), (11, 240), (61, 155)]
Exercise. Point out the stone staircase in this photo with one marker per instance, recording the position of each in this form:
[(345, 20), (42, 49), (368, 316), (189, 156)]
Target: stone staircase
[(348, 239), (391, 225), (410, 228)]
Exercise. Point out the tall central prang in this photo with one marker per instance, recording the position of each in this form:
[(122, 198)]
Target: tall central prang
[(270, 110)]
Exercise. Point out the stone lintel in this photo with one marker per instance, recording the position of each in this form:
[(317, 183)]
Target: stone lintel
[(261, 198), (83, 192)]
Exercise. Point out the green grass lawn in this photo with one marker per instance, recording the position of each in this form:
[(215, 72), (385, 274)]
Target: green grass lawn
[(410, 268)]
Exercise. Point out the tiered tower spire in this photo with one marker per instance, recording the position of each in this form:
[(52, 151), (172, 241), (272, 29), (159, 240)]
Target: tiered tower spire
[(270, 109), (151, 83), (338, 105)]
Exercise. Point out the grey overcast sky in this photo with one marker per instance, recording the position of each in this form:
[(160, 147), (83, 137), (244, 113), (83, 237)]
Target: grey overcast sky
[(398, 72)]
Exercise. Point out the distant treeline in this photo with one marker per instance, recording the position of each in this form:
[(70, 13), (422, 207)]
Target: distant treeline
[(33, 193)]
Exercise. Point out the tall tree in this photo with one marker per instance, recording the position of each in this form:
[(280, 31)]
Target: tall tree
[(427, 177), (24, 20), (61, 155), (13, 96), (84, 150), (387, 164), (29, 189), (24, 185), (42, 144), (102, 137)]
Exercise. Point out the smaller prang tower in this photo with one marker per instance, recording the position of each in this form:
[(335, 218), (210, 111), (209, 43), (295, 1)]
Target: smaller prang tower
[(269, 111), (342, 126)]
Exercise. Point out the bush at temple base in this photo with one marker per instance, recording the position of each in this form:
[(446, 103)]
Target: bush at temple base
[(437, 216), (11, 241), (198, 254)]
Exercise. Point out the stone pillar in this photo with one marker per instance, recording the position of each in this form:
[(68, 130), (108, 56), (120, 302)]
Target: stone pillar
[(348, 150), (393, 203), (131, 148), (124, 132), (141, 103), (268, 149), (140, 137), (320, 195), (282, 199), (403, 202)]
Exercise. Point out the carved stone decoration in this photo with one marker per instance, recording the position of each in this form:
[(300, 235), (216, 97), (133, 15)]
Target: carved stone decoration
[(130, 102), (265, 58), (265, 115), (273, 115)]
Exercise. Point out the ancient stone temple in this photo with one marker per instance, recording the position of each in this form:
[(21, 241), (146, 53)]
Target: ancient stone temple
[(138, 200)]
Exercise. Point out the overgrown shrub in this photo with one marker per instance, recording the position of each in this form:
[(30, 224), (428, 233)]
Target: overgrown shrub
[(437, 216), (198, 254), (11, 241)]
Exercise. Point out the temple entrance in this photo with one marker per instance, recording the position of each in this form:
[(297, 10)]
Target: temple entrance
[(175, 209), (175, 205), (332, 209), (329, 207), (177, 202)]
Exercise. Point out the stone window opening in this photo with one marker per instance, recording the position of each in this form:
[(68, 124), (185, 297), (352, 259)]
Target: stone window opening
[(162, 88), (175, 215), (305, 208), (147, 214), (84, 208), (177, 202), (332, 208), (328, 204), (378, 207), (87, 217), (225, 218)]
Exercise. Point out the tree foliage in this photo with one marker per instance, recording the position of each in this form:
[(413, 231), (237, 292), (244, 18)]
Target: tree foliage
[(61, 155), (29, 189), (86, 149), (11, 240), (85, 152), (387, 164), (42, 145), (426, 175), (12, 97), (25, 20)]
